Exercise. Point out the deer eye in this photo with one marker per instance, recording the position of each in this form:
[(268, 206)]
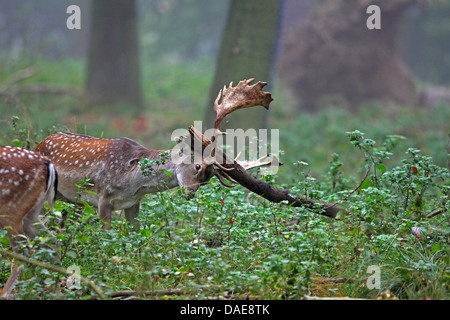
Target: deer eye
[(197, 167)]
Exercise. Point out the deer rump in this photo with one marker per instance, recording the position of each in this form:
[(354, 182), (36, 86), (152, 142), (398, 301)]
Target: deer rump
[(27, 181)]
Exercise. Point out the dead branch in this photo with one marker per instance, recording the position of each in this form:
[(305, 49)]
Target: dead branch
[(130, 293), (267, 191), (338, 280), (436, 212), (50, 267), (329, 298)]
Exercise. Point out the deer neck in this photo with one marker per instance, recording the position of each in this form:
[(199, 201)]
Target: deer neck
[(159, 174)]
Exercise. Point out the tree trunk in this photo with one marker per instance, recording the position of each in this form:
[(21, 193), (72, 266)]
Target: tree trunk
[(113, 67), (247, 51), (334, 54)]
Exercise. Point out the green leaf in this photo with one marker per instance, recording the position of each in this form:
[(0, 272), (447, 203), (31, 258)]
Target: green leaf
[(88, 208), (436, 247), (83, 238), (366, 183), (167, 172), (17, 143), (381, 168)]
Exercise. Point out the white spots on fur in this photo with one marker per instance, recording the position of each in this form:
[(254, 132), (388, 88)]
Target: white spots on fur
[(72, 152), (17, 166)]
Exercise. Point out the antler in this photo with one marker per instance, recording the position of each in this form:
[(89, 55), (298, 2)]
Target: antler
[(248, 164), (243, 95), (228, 100)]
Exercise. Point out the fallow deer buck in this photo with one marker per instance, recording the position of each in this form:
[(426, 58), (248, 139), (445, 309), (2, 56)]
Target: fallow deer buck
[(112, 165), (27, 181)]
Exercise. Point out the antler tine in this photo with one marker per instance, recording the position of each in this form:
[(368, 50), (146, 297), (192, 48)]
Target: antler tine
[(243, 95), (248, 164), (219, 174), (226, 176), (221, 167)]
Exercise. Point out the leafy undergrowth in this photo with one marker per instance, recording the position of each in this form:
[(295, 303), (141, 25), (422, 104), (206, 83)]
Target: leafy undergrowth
[(232, 244)]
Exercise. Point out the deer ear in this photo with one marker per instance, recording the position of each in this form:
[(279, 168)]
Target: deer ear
[(133, 162)]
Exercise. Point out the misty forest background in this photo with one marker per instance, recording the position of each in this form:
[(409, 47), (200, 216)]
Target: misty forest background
[(141, 69)]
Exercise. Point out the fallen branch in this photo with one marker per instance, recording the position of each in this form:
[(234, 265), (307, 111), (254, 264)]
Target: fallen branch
[(130, 293), (50, 267), (337, 280), (267, 191), (330, 298), (436, 212)]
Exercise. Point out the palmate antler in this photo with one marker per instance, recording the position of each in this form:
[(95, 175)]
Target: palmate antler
[(243, 95), (229, 99)]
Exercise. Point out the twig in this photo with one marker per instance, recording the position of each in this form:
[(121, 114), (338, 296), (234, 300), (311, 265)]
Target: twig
[(338, 280), (330, 298), (354, 190), (129, 293), (47, 266), (256, 262), (436, 212)]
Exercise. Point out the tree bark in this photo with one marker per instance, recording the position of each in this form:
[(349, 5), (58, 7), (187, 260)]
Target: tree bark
[(247, 51), (113, 67)]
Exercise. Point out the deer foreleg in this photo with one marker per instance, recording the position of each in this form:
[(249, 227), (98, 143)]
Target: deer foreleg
[(131, 214), (104, 211)]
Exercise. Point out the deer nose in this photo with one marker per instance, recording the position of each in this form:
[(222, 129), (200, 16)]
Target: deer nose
[(190, 195), (190, 192)]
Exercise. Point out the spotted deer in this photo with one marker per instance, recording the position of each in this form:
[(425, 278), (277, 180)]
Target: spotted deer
[(27, 181), (112, 165)]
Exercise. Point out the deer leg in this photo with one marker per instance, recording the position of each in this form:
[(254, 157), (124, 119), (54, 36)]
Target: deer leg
[(31, 224), (131, 214), (15, 270), (11, 282), (31, 220), (104, 211)]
